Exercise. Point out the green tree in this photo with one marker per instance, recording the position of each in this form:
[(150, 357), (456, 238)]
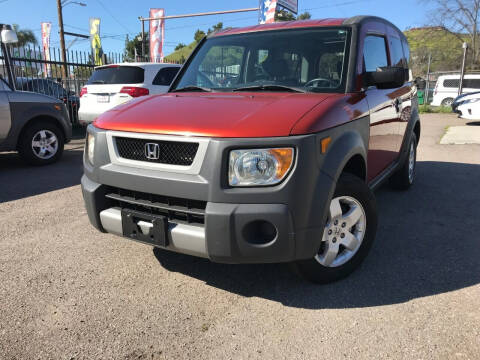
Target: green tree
[(304, 16), (215, 28), (25, 36), (199, 35), (180, 46), (284, 15), (134, 46)]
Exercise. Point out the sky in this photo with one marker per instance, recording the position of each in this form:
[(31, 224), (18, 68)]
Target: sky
[(120, 17)]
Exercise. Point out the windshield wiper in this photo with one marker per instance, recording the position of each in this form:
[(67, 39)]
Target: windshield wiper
[(192, 88), (98, 82), (271, 87)]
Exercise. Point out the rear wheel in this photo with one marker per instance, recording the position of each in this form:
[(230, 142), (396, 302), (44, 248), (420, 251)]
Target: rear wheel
[(405, 176), (348, 234), (447, 102), (41, 143)]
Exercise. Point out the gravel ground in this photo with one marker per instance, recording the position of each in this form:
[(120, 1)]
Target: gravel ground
[(70, 292)]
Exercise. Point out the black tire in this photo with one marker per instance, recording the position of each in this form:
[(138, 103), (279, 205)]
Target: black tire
[(402, 179), (447, 102), (26, 150), (311, 269)]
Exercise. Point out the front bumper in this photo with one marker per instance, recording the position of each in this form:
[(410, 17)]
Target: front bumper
[(85, 118), (279, 223), (231, 233)]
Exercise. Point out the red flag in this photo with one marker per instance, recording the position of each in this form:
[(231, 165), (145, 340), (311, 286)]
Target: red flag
[(157, 35), (46, 29)]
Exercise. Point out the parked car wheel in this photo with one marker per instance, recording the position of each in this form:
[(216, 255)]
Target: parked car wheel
[(405, 176), (348, 235), (447, 102), (41, 143)]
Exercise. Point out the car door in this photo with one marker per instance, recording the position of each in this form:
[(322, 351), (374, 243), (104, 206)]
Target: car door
[(383, 104), (163, 79), (5, 115), (400, 54)]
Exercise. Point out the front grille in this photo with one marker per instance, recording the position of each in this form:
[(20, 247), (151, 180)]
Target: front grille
[(175, 209), (169, 152)]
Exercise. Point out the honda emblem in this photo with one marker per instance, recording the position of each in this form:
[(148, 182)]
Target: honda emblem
[(152, 151)]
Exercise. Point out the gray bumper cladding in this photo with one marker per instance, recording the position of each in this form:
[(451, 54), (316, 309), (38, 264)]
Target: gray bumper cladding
[(183, 238)]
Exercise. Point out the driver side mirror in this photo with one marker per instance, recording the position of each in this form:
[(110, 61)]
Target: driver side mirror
[(385, 77)]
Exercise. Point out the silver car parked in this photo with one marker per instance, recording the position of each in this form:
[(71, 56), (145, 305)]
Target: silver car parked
[(35, 125)]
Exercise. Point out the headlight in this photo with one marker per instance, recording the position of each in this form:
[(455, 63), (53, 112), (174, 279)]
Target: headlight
[(90, 147), (259, 167)]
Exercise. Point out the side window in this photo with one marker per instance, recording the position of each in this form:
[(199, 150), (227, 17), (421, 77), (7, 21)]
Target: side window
[(451, 83), (396, 52), (471, 83), (165, 76), (374, 53)]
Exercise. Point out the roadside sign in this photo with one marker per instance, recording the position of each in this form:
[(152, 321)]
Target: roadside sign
[(291, 5)]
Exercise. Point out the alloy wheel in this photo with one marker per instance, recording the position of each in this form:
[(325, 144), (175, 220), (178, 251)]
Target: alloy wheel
[(344, 232), (44, 144), (411, 163)]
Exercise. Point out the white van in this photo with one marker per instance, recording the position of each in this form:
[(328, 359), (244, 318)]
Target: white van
[(446, 88), (112, 85)]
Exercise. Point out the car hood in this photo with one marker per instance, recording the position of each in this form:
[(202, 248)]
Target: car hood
[(212, 114), (30, 97)]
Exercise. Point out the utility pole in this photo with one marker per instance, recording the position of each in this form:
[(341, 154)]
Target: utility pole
[(143, 40), (462, 75), (428, 79), (62, 40)]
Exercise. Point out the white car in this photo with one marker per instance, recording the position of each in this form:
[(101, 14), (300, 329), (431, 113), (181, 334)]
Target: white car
[(112, 85), (467, 106), (446, 88)]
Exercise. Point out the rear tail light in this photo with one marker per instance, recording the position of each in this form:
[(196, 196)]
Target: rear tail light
[(83, 91), (134, 91)]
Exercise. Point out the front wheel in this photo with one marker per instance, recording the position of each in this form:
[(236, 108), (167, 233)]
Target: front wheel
[(348, 234), (41, 143)]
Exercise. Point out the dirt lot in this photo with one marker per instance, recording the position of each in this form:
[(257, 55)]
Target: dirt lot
[(68, 291)]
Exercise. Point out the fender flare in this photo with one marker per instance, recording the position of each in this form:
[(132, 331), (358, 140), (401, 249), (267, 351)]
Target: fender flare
[(341, 151)]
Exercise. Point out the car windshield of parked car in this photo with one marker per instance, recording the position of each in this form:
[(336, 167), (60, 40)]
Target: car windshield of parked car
[(312, 60)]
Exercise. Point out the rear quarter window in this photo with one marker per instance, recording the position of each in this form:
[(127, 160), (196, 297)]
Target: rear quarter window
[(396, 52), (117, 75), (165, 76)]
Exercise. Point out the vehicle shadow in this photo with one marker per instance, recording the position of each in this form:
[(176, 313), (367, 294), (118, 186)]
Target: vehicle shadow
[(19, 180), (427, 243), (474, 123)]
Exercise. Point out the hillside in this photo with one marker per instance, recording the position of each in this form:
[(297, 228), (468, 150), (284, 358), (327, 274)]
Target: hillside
[(182, 54), (445, 48)]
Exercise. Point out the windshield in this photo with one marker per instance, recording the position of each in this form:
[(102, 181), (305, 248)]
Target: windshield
[(312, 60)]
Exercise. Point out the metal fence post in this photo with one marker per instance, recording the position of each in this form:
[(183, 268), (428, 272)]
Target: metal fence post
[(460, 87), (427, 90)]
